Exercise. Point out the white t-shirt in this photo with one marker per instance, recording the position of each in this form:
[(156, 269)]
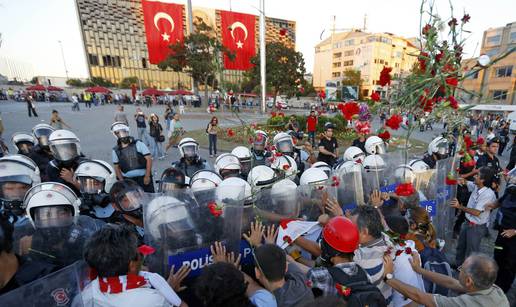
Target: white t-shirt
[(403, 272), (478, 200)]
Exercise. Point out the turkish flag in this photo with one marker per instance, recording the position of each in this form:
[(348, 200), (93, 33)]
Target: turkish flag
[(238, 35), (163, 27)]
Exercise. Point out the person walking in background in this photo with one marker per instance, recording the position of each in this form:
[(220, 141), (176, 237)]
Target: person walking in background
[(157, 137), (311, 127), (31, 108), (503, 135), (212, 130), (120, 115), (176, 132), (57, 122), (141, 126), (75, 103), (169, 114), (181, 107)]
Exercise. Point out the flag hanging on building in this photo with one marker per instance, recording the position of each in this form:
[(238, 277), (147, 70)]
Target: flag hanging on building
[(238, 35), (163, 27)]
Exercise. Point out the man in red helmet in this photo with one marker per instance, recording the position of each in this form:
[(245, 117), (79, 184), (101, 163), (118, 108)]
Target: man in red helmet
[(340, 276)]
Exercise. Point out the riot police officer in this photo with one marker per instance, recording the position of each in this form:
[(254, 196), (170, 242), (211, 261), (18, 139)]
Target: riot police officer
[(172, 179), (190, 161), (285, 145), (438, 149), (66, 149), (259, 154), (127, 198), (17, 175), (132, 158), (244, 156), (228, 165), (41, 153), (96, 177), (23, 142)]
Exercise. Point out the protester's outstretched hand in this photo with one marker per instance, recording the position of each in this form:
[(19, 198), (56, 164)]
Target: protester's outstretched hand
[(415, 262), (175, 279), (332, 205), (218, 250), (254, 236), (376, 198), (454, 203), (270, 234)]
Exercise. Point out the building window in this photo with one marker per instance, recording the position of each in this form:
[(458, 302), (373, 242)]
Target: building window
[(491, 53), (337, 64), (93, 59), (499, 95), (512, 38), (144, 62), (348, 63), (502, 72), (349, 42), (106, 59), (473, 75), (335, 74), (397, 65), (349, 53), (495, 39), (337, 55)]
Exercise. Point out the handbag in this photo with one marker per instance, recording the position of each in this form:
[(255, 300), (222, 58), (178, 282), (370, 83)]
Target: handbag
[(161, 138)]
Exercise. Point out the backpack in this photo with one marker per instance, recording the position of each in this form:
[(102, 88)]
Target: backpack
[(434, 260), (363, 293)]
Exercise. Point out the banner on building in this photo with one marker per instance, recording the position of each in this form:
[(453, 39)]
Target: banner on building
[(238, 35), (163, 27)]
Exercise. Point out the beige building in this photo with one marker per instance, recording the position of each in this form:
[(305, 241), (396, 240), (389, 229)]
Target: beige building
[(366, 52), (115, 45), (497, 84)]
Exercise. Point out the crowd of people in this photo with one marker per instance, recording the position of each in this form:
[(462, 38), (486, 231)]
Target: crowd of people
[(273, 224)]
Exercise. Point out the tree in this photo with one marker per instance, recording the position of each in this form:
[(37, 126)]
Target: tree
[(74, 82), (34, 80), (284, 67), (128, 81), (101, 82), (200, 56), (352, 78)]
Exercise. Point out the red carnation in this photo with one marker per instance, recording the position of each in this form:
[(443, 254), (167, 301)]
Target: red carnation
[(480, 140), (468, 142), (405, 189), (453, 22), (230, 132), (452, 81), (426, 29), (273, 114), (439, 56), (250, 140), (215, 210), (451, 180), (342, 290), (287, 239), (453, 102), (423, 58), (375, 96), (385, 76), (398, 252), (465, 18), (385, 135), (281, 114), (283, 223), (285, 167), (408, 251), (146, 250), (394, 122), (278, 154), (349, 109)]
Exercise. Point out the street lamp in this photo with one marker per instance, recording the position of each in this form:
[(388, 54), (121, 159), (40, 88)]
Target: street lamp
[(64, 62)]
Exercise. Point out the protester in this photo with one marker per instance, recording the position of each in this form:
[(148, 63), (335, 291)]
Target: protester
[(476, 280), (31, 107), (311, 127), (157, 137), (212, 131), (141, 126), (57, 122), (175, 132), (168, 115), (477, 214), (421, 230), (113, 253), (328, 145), (121, 116)]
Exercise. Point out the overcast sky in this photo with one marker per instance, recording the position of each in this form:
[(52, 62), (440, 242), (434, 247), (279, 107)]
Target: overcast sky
[(31, 28)]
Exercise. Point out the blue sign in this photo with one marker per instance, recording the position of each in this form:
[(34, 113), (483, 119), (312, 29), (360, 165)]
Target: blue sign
[(430, 207), (200, 258), (389, 188)]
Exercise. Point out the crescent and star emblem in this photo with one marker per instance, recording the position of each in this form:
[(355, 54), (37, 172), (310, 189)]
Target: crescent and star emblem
[(238, 24), (161, 15)]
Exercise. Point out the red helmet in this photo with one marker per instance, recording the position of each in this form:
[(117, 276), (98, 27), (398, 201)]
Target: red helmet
[(341, 234)]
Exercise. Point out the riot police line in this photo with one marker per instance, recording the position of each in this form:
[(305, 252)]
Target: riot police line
[(195, 205)]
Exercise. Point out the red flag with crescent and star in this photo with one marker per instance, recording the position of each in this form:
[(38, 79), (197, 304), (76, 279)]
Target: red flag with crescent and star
[(238, 35), (163, 27)]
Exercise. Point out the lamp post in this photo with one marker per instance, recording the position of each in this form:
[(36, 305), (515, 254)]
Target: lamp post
[(262, 54), (64, 61)]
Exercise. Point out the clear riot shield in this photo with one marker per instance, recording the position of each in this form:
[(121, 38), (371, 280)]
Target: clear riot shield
[(276, 204), (182, 228), (444, 217), (312, 200), (349, 189), (58, 246), (61, 288), (375, 174)]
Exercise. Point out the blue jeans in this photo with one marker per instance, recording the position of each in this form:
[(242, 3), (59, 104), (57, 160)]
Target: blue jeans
[(156, 148), (212, 138), (311, 137), (143, 135)]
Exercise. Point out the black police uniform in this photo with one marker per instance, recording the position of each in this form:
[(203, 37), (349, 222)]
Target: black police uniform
[(130, 159), (260, 159), (41, 157), (429, 160), (190, 169), (54, 168), (505, 248)]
